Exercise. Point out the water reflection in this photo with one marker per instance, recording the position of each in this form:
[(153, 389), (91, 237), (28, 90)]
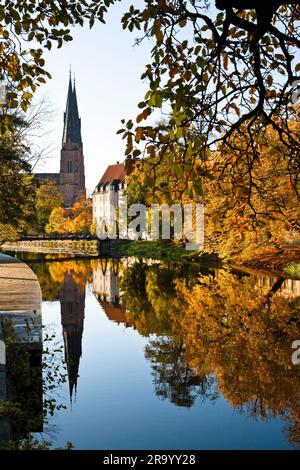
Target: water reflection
[(106, 275), (21, 402), (221, 332), (72, 301), (236, 328), (21, 391), (66, 281), (210, 333)]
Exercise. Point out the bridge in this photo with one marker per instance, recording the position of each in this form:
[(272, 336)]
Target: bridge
[(85, 245)]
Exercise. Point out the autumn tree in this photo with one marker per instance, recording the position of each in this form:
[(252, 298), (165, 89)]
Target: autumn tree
[(220, 67), (246, 212), (48, 197), (223, 71), (58, 221), (169, 179), (17, 209), (75, 220), (81, 215)]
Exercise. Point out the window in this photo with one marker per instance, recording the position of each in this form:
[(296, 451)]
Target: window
[(70, 309), (69, 166)]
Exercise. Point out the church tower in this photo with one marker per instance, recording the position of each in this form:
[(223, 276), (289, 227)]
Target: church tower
[(71, 177), (72, 302)]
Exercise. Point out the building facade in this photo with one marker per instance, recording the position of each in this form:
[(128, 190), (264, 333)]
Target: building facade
[(107, 291), (106, 197), (71, 178)]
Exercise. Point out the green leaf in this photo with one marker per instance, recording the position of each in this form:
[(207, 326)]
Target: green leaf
[(179, 133), (177, 170), (197, 186), (24, 106)]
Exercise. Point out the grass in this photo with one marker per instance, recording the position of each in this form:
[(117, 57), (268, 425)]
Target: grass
[(293, 269), (158, 250)]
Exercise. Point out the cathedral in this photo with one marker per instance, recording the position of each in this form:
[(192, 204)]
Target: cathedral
[(71, 179)]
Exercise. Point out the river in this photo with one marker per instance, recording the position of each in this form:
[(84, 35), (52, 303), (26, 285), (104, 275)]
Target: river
[(160, 355)]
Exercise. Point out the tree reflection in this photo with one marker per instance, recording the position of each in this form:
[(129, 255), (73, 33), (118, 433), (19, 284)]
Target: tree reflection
[(149, 293), (227, 325), (35, 372), (51, 275), (174, 379), (209, 332), (65, 280), (30, 377), (242, 333)]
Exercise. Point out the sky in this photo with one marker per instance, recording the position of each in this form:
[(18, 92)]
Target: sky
[(108, 67)]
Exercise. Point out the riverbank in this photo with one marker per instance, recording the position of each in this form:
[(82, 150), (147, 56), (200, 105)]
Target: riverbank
[(286, 262), (161, 250), (280, 263), (64, 246), (272, 261)]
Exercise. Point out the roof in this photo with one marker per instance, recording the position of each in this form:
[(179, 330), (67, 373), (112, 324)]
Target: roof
[(115, 313), (113, 173)]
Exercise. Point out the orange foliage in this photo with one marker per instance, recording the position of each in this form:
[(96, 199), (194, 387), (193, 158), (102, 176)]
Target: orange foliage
[(77, 219)]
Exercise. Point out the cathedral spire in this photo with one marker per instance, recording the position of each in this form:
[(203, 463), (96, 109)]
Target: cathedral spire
[(71, 177), (72, 301), (72, 124)]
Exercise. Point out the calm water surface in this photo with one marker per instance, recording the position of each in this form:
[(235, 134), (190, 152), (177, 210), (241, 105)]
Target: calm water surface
[(166, 356)]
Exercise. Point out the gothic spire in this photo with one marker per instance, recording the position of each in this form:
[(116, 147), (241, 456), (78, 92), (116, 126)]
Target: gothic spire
[(72, 342), (72, 124)]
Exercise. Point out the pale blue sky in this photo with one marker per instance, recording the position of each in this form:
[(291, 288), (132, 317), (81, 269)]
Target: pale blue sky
[(108, 68)]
